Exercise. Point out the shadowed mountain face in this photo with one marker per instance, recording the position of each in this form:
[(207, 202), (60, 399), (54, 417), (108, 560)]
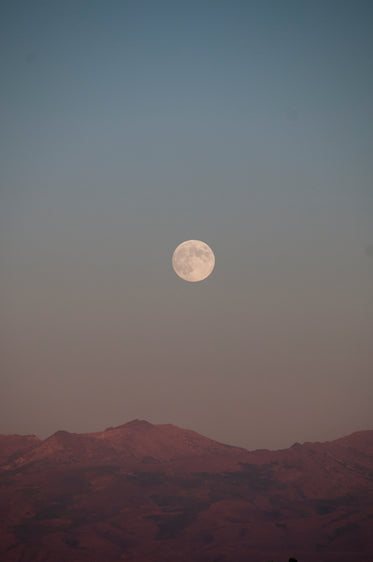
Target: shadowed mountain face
[(143, 493)]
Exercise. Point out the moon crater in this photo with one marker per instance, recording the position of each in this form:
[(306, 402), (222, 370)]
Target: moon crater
[(193, 260)]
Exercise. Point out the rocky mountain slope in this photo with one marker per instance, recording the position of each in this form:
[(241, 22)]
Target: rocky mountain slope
[(142, 493)]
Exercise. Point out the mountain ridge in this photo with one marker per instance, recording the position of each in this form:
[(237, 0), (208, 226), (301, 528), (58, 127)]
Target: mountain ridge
[(140, 492), (144, 424)]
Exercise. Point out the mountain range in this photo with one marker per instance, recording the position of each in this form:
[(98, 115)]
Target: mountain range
[(158, 493)]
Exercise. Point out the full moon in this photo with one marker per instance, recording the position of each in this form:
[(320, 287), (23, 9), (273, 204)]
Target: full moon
[(193, 260)]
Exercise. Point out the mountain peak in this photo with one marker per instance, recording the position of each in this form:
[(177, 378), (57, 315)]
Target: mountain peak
[(133, 424)]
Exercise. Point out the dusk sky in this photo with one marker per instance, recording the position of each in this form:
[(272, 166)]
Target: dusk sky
[(128, 127)]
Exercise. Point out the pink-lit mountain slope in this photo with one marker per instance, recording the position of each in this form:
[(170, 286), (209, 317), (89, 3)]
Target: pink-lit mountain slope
[(143, 493), (16, 444)]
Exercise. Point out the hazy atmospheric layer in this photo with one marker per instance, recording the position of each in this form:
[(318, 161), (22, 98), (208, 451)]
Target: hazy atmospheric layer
[(128, 127)]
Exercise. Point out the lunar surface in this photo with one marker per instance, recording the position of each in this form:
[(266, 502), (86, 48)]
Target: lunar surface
[(193, 260)]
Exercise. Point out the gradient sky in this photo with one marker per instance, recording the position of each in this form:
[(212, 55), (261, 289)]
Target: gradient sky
[(130, 126)]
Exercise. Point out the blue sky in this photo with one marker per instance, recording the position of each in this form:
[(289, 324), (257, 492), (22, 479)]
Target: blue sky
[(128, 127)]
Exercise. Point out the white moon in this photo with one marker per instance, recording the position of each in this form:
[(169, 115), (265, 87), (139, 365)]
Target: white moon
[(193, 260)]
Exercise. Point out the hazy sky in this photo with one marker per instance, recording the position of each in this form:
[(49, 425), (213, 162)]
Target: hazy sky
[(130, 126)]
